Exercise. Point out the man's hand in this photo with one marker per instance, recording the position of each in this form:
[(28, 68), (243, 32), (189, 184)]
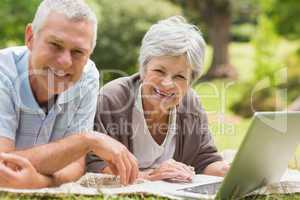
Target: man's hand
[(120, 160), (22, 175), (171, 170)]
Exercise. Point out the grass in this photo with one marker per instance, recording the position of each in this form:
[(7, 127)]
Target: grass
[(217, 97), (227, 128), (6, 196), (10, 196)]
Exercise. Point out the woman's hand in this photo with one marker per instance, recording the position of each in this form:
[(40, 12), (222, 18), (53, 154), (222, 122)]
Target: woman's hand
[(17, 172), (219, 168), (172, 171)]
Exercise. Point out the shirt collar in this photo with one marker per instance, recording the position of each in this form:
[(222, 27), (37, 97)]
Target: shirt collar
[(22, 85)]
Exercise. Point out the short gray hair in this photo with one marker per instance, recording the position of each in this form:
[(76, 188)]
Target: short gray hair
[(173, 37), (73, 9)]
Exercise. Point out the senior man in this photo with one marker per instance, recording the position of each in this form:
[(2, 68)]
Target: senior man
[(48, 95)]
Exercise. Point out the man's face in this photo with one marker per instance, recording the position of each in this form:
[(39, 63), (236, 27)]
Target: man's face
[(59, 52)]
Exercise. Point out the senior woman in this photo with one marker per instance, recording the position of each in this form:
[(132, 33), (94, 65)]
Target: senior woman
[(155, 113)]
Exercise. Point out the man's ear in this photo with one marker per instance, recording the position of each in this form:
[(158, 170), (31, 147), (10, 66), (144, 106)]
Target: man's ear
[(29, 36)]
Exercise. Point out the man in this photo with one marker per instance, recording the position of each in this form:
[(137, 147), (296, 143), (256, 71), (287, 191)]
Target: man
[(48, 94)]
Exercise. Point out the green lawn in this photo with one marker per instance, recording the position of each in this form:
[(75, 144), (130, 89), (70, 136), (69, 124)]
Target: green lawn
[(5, 196), (217, 97)]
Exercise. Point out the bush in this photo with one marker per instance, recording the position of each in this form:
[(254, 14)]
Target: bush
[(292, 62), (262, 100), (15, 15), (262, 93), (122, 25), (242, 32)]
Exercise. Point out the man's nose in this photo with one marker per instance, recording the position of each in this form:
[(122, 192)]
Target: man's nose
[(65, 60)]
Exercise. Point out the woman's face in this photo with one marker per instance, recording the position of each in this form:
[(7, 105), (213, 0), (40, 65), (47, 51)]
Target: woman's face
[(165, 81)]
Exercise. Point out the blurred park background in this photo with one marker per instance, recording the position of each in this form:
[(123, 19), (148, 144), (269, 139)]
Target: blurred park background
[(252, 60)]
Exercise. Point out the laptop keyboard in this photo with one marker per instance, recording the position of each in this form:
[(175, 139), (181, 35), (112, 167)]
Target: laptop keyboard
[(210, 188)]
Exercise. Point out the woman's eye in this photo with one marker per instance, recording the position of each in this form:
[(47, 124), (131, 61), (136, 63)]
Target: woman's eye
[(180, 77), (159, 71)]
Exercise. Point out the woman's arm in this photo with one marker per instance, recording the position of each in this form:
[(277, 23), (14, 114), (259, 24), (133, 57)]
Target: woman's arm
[(219, 168)]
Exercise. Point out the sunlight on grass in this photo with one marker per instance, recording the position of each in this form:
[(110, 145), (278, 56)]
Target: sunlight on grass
[(242, 58), (228, 129), (217, 96)]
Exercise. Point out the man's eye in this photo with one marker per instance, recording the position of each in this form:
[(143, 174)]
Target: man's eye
[(55, 45), (77, 52)]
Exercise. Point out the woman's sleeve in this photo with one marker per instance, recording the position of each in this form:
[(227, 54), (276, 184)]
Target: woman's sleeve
[(207, 151)]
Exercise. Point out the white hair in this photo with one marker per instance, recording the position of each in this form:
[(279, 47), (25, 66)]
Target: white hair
[(76, 10), (173, 37)]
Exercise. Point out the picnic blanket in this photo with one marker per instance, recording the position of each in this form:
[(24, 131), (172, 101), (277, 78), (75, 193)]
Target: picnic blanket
[(96, 184)]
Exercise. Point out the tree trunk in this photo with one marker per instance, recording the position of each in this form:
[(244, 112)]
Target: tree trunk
[(218, 32), (217, 17)]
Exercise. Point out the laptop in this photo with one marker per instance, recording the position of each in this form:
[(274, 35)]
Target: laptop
[(262, 158)]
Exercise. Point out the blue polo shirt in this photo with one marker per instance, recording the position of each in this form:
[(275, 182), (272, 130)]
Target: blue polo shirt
[(21, 117)]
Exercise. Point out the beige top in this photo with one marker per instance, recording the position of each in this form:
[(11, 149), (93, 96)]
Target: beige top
[(148, 153)]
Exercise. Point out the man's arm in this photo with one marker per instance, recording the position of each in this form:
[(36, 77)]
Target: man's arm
[(52, 157), (18, 172), (6, 145), (72, 172)]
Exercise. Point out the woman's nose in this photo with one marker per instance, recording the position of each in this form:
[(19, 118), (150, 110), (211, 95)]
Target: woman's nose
[(167, 82)]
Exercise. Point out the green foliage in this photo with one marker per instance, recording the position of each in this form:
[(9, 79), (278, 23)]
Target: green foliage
[(245, 11), (261, 93), (286, 16), (266, 42), (14, 16), (122, 25), (242, 32), (292, 62)]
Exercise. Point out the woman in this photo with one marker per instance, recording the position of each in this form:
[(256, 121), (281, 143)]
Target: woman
[(155, 113)]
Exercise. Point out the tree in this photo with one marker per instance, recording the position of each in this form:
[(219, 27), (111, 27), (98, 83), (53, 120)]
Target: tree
[(14, 18), (216, 15), (275, 76), (286, 15), (122, 25)]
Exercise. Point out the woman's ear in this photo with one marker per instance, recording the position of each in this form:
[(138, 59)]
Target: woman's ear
[(29, 36)]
